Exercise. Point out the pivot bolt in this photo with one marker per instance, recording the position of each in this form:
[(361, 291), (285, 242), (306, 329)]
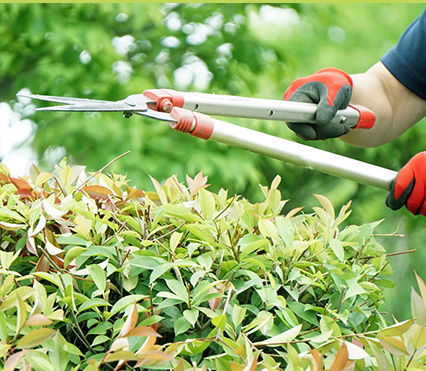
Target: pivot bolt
[(166, 106)]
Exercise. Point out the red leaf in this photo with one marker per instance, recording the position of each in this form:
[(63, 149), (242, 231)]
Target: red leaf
[(197, 183), (21, 184), (214, 303), (133, 193), (26, 193), (97, 192), (4, 178), (43, 265)]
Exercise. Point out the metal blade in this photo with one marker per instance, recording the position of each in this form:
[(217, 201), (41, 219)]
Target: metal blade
[(66, 100), (162, 116), (133, 103), (95, 107)]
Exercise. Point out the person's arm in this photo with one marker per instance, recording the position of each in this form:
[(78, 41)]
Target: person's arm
[(395, 106)]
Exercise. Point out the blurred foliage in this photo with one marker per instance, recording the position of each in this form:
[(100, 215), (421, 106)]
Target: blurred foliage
[(108, 51)]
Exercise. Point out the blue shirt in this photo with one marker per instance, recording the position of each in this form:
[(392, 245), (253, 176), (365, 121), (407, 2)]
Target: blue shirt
[(407, 59)]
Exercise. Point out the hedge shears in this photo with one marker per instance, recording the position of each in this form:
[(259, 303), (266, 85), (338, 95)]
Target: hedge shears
[(191, 113)]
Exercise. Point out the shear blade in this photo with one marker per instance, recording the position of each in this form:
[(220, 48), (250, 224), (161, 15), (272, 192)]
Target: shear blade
[(66, 100), (95, 107), (133, 103)]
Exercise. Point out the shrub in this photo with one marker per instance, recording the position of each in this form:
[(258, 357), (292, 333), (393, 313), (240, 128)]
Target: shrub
[(96, 274)]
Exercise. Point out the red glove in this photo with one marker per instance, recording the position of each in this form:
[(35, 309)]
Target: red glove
[(409, 186), (331, 88)]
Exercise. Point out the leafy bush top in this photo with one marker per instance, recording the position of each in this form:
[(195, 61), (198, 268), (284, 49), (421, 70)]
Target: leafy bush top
[(99, 275)]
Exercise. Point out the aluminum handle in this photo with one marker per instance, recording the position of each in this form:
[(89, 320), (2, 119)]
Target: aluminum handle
[(302, 155), (265, 109)]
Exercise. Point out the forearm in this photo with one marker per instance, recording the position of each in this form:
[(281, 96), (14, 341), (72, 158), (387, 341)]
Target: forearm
[(396, 107)]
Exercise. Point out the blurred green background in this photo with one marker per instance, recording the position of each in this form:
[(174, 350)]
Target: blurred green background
[(108, 51)]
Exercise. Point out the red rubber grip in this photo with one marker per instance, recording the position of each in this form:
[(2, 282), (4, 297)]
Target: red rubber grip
[(196, 124), (204, 126), (165, 99), (367, 118)]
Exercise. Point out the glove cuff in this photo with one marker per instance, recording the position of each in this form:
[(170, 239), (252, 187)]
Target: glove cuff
[(338, 73)]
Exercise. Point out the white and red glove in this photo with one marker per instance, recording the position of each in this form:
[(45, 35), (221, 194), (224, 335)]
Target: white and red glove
[(331, 89), (409, 186)]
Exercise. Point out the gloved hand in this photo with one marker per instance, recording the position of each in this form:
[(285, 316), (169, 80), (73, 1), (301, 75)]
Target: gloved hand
[(409, 186), (331, 88)]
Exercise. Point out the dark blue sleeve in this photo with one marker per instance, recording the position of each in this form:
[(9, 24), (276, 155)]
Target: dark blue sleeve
[(407, 59)]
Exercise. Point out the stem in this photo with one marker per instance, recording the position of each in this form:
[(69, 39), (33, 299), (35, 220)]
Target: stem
[(80, 331), (378, 272), (151, 300), (401, 252), (99, 171), (342, 292), (226, 208), (188, 290)]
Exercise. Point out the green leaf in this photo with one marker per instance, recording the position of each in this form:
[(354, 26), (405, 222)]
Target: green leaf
[(337, 248), (151, 320), (93, 303), (100, 339), (418, 336), (418, 308), (220, 321), (283, 338), (3, 328), (260, 321), (393, 345), (159, 271), (207, 203), (181, 325), (326, 204), (72, 253), (141, 263), (397, 329), (321, 338), (327, 324), (160, 191), (71, 239), (301, 310), (354, 290), (124, 355), (178, 289), (35, 338), (181, 212), (175, 239), (191, 315), (58, 355), (202, 232), (53, 278), (100, 329), (268, 229), (202, 292), (285, 229), (124, 302), (10, 214), (22, 314), (238, 315), (98, 276), (250, 243), (39, 360)]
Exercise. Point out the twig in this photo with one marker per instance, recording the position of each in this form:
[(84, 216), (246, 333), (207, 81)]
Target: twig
[(227, 207), (99, 171), (401, 252)]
